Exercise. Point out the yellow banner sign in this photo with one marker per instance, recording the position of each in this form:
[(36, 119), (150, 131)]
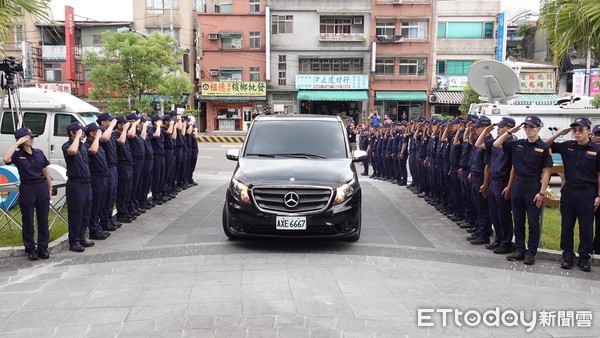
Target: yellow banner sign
[(234, 88), (537, 82)]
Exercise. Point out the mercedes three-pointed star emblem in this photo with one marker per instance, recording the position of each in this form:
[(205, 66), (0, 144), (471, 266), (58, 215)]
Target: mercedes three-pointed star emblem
[(291, 199)]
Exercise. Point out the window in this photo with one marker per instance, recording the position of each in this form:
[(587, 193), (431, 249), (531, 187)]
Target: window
[(335, 25), (385, 28), (255, 74), (53, 72), (61, 121), (164, 31), (384, 67), (18, 36), (331, 66), (282, 67), (466, 30), (414, 30), (254, 40), (282, 97), (453, 67), (162, 4), (96, 39), (224, 8), (412, 67), (86, 72), (231, 74), (231, 40), (34, 121), (254, 6), (282, 24)]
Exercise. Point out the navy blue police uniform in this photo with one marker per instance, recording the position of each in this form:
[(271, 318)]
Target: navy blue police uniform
[(169, 172), (34, 196), (363, 144), (107, 221), (455, 185), (182, 155), (136, 146), (78, 191), (99, 185), (480, 158), (125, 170), (148, 168), (193, 159), (158, 174)]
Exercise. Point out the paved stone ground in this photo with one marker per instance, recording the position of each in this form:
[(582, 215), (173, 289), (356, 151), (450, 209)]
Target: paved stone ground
[(173, 273)]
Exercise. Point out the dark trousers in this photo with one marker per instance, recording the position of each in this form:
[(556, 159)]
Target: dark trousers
[(146, 181), (523, 206), (500, 212), (35, 196), (99, 187), (577, 205), (169, 171), (124, 188), (136, 183), (396, 166), (484, 223), (467, 197), (182, 166), (403, 175), (158, 176), (423, 175), (455, 192), (597, 232), (192, 160), (79, 200), (106, 214)]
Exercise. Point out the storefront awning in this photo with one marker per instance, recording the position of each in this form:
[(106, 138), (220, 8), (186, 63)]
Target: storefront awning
[(448, 97), (232, 98), (400, 96), (539, 99), (333, 95)]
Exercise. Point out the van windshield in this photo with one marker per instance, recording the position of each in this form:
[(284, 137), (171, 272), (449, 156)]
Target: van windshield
[(88, 118), (314, 139)]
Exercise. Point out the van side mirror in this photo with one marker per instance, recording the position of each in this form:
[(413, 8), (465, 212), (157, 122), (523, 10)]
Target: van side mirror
[(233, 154), (359, 155)]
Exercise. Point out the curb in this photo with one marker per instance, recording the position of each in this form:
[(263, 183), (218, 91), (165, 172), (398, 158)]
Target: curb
[(58, 245)]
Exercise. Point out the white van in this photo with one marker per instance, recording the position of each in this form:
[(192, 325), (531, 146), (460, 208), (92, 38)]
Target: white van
[(47, 114)]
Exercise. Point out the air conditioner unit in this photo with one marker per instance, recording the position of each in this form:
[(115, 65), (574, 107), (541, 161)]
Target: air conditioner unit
[(432, 97), (214, 72), (357, 20), (215, 37), (396, 2)]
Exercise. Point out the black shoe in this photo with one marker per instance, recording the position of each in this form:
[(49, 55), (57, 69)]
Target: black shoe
[(195, 184), (465, 225), (480, 241), (157, 201), (144, 207), (457, 219), (140, 210), (402, 183), (108, 227), (132, 216), (76, 247), (99, 235), (472, 237), (517, 256), (134, 212), (502, 250), (86, 244), (471, 230), (492, 246), (43, 253), (32, 254), (567, 263), (529, 259), (172, 195), (584, 264), (124, 219), (364, 174)]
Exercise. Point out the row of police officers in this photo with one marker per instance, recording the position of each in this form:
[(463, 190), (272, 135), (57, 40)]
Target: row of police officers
[(495, 186)]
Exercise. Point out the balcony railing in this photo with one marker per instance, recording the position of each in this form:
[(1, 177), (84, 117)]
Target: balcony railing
[(343, 37), (59, 52), (389, 38)]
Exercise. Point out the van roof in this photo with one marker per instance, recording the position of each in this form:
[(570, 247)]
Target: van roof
[(37, 98)]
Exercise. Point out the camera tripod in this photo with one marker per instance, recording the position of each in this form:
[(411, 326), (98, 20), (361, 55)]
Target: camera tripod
[(10, 70)]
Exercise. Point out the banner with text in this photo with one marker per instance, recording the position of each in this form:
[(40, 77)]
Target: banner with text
[(55, 87), (537, 81), (337, 81), (234, 88)]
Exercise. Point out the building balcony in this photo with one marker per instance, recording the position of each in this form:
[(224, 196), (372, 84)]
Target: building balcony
[(389, 38), (344, 37), (59, 52)]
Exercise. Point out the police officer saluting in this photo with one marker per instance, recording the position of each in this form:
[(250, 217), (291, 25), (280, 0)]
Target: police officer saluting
[(580, 196), (99, 171), (34, 191), (532, 162), (79, 190)]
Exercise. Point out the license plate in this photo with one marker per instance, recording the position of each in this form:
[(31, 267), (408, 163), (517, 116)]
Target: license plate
[(290, 223)]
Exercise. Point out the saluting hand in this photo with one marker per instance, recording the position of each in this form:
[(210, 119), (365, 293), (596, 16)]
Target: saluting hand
[(516, 128), (23, 140), (113, 123), (564, 132), (79, 133), (489, 128)]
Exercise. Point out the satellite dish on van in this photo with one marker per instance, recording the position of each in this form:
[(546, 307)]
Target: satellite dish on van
[(493, 80)]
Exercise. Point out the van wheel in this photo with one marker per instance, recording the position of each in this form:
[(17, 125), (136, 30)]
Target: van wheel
[(228, 233)]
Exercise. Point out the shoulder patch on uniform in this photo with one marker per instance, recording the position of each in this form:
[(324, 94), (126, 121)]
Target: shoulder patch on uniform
[(538, 150), (592, 153)]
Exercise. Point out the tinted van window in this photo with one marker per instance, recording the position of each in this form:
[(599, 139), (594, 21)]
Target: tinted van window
[(34, 121), (324, 138)]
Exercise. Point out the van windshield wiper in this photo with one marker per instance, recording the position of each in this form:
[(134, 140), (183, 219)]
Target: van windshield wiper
[(262, 155), (306, 155)]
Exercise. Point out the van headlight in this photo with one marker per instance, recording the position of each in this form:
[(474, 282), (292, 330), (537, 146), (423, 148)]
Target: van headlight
[(344, 192), (240, 190)]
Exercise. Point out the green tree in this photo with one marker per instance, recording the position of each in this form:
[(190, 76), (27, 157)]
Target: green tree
[(12, 11), (469, 96), (173, 87), (131, 65)]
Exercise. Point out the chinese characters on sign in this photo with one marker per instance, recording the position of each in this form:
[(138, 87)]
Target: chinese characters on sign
[(537, 82), (332, 81), (451, 82), (234, 88), (55, 87)]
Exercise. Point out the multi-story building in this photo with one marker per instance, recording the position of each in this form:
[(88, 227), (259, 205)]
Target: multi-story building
[(319, 56), (232, 64), (175, 18), (402, 43), (465, 32)]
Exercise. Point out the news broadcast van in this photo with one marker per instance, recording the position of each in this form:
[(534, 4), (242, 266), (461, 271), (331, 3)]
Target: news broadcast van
[(47, 114)]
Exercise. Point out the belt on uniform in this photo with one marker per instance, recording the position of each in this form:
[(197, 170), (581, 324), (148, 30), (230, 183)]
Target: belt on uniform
[(580, 186), (35, 181), (527, 179), (79, 180)]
